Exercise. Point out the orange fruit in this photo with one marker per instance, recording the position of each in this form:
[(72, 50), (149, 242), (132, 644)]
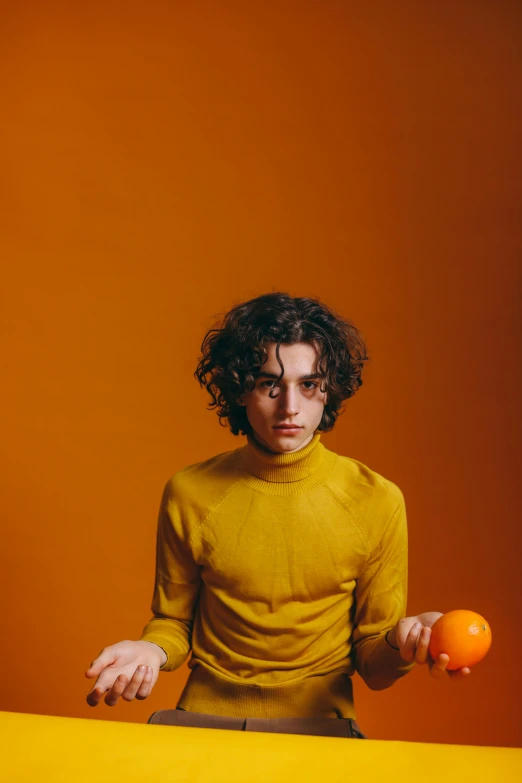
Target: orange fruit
[(463, 635)]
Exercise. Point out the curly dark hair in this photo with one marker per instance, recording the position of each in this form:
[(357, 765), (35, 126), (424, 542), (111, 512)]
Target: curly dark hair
[(234, 351)]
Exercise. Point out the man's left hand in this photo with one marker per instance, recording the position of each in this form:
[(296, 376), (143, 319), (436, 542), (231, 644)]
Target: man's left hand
[(412, 636)]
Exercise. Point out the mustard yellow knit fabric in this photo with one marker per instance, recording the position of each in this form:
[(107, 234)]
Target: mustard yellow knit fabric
[(282, 573)]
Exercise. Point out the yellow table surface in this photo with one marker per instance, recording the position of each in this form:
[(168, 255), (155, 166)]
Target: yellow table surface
[(42, 747)]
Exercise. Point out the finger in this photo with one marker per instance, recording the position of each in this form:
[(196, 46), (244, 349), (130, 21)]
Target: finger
[(459, 674), (438, 669), (105, 658), (116, 690), (137, 678), (103, 684), (95, 695), (421, 653), (146, 686), (410, 643)]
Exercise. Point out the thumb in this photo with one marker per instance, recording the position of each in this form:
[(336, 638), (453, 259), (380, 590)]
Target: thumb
[(104, 659)]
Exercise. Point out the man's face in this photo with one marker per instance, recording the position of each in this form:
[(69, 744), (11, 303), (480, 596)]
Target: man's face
[(298, 400)]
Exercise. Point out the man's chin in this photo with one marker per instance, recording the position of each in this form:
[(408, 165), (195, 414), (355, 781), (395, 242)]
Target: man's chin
[(278, 441)]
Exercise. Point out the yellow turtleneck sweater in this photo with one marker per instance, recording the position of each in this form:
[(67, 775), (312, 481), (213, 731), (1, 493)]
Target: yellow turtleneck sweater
[(282, 573)]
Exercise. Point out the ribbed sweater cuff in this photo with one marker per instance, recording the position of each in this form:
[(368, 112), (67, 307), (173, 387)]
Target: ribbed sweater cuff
[(175, 655), (380, 664)]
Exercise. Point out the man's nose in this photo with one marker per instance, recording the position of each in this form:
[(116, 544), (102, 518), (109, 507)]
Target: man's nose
[(289, 402)]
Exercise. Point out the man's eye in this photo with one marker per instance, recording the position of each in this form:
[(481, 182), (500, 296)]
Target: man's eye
[(308, 388)]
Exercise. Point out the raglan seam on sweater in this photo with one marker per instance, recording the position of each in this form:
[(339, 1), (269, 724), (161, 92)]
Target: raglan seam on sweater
[(383, 534), (353, 516), (209, 512)]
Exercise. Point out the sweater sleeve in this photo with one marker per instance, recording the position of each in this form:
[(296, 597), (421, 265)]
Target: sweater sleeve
[(177, 582), (381, 596)]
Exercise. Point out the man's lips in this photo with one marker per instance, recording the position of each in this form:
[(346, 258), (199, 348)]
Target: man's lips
[(287, 427)]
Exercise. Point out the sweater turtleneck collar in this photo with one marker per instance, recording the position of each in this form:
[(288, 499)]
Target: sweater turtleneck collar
[(283, 467)]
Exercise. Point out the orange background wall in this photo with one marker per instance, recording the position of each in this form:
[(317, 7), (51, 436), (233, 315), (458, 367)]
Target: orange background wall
[(164, 161)]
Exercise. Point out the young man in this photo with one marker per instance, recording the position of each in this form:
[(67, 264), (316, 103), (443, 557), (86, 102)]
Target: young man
[(280, 564)]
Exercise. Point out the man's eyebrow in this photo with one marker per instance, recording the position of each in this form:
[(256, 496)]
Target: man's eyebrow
[(308, 377)]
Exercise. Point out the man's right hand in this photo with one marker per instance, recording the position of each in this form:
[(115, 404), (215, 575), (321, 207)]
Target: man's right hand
[(127, 669)]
